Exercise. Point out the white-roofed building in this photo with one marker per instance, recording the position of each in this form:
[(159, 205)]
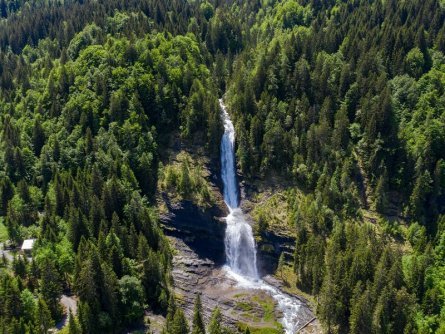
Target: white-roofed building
[(28, 244)]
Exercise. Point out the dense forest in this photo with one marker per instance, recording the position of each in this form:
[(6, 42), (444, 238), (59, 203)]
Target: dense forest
[(343, 101)]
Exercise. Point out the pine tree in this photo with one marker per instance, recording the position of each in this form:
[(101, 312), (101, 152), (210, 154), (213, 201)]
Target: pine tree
[(43, 317), (180, 325), (51, 286), (38, 137), (381, 201), (215, 322), (361, 317), (185, 182), (171, 311), (6, 194), (86, 318), (198, 323), (422, 189), (73, 325)]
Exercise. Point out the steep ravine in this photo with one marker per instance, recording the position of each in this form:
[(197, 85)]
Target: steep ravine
[(197, 236)]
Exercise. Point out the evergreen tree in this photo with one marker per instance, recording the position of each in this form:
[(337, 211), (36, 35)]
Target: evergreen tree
[(51, 287), (179, 325), (198, 323), (73, 325), (171, 311), (215, 322), (43, 317), (38, 137)]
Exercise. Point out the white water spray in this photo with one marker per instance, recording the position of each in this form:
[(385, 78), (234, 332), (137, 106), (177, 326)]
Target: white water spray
[(239, 242)]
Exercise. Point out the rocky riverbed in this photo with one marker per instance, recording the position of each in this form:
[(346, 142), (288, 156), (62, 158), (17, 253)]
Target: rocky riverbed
[(239, 306)]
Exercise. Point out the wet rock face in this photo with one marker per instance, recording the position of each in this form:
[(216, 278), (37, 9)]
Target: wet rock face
[(269, 251), (202, 231)]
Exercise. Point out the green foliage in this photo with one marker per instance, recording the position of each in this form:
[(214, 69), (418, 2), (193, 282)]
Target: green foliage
[(186, 179), (215, 322), (377, 306), (73, 325), (132, 298), (179, 325), (3, 231), (84, 123), (43, 317), (198, 323), (342, 100), (290, 14), (415, 62), (207, 10)]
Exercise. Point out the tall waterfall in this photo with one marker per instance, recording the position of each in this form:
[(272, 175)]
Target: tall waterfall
[(239, 242), (228, 171)]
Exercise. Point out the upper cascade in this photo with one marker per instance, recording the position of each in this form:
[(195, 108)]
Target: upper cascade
[(228, 168)]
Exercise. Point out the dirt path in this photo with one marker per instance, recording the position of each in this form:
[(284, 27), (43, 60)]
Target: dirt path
[(69, 303), (9, 256)]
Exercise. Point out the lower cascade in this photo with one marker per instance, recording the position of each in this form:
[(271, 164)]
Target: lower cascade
[(239, 242), (240, 245)]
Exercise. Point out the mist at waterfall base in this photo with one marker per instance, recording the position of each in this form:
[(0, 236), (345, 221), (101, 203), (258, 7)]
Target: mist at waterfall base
[(239, 243)]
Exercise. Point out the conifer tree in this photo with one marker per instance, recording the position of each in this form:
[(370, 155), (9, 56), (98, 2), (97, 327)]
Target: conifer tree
[(73, 325), (198, 324), (43, 317), (38, 137), (179, 325), (171, 311), (215, 322)]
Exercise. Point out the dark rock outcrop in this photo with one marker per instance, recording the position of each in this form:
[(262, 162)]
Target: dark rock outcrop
[(202, 230), (269, 250)]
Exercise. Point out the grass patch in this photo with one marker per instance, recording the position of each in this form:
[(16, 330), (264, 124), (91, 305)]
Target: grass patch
[(3, 231), (244, 306), (268, 306), (259, 308), (290, 284), (259, 330)]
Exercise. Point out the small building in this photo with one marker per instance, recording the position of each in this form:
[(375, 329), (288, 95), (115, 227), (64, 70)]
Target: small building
[(27, 245)]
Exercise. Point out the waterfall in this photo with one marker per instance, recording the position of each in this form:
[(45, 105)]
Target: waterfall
[(228, 169), (239, 242)]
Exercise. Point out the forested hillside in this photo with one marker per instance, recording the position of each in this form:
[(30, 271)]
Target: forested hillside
[(342, 102), (346, 100)]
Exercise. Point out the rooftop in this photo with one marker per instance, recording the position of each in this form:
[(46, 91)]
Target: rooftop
[(28, 244)]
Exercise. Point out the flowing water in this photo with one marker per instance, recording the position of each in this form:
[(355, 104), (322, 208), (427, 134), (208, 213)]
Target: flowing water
[(239, 242)]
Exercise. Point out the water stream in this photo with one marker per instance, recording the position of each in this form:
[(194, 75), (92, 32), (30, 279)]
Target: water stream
[(240, 245)]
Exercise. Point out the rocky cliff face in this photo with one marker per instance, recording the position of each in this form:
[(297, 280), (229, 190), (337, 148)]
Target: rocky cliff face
[(201, 230), (279, 236)]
